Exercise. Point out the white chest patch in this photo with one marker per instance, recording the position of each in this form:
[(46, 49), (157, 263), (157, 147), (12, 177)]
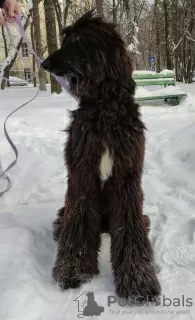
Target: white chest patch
[(106, 165)]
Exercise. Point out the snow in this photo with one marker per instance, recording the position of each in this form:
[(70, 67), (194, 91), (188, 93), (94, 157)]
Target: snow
[(142, 92), (135, 40), (27, 250), (142, 72), (131, 47), (17, 81), (167, 71), (163, 91)]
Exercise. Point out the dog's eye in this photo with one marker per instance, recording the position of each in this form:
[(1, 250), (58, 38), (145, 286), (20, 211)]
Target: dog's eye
[(75, 38)]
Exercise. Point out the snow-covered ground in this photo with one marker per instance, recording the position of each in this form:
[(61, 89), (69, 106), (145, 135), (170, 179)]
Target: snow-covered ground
[(27, 250)]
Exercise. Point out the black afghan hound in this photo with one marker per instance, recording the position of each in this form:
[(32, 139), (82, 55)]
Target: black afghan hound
[(104, 156)]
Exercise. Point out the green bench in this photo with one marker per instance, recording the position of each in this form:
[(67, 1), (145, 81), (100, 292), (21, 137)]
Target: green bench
[(165, 79)]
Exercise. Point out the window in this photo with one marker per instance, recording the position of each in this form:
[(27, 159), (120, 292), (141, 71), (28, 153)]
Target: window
[(27, 74), (24, 50)]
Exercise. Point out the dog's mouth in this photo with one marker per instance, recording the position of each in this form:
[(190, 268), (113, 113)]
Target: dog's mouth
[(59, 73), (68, 76)]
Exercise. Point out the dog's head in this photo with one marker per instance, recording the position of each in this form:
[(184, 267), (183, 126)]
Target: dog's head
[(90, 295), (91, 53)]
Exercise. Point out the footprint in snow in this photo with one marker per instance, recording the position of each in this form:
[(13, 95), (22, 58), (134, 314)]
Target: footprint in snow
[(180, 246)]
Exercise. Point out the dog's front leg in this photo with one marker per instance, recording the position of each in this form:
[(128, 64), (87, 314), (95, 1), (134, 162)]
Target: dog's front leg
[(131, 251), (79, 240)]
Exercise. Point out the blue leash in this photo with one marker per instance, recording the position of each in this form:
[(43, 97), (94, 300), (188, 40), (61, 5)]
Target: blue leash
[(3, 174)]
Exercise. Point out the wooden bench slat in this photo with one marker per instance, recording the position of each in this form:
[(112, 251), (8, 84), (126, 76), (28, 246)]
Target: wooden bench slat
[(153, 76), (143, 83), (179, 95)]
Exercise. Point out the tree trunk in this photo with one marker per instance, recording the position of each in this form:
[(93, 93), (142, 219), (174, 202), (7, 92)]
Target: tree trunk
[(51, 38), (6, 73), (37, 40), (99, 6), (8, 68), (158, 34), (58, 12), (168, 34), (114, 12), (33, 57), (68, 2), (176, 36)]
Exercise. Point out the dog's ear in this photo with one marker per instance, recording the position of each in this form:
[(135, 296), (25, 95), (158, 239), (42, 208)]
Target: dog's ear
[(96, 74), (95, 70)]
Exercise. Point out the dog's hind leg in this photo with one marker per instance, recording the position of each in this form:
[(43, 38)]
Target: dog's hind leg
[(79, 241), (131, 251)]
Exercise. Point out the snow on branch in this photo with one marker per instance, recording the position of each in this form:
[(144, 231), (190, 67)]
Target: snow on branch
[(134, 45)]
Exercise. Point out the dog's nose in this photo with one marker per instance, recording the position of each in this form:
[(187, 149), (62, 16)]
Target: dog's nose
[(46, 64)]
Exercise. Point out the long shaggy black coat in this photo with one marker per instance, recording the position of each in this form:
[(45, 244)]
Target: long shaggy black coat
[(104, 157)]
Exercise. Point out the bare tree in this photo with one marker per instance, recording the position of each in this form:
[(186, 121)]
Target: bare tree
[(51, 32), (168, 34), (114, 12), (66, 11), (158, 8), (33, 57), (12, 56), (37, 40), (99, 6), (6, 72)]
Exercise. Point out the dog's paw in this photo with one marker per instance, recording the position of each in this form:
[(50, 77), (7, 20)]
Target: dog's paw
[(67, 283), (57, 224), (71, 273), (139, 287), (65, 277)]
